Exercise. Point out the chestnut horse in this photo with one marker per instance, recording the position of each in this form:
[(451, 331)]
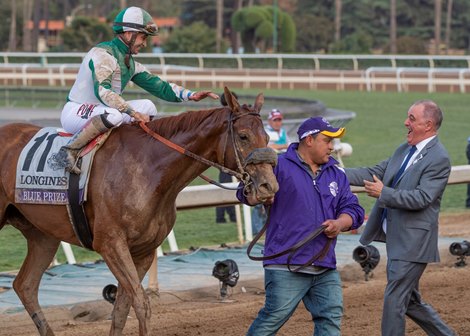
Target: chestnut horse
[(131, 196)]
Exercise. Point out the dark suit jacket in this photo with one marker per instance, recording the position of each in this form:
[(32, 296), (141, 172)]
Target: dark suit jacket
[(413, 205)]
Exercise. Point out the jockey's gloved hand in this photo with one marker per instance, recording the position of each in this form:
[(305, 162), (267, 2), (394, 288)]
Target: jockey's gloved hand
[(140, 117)]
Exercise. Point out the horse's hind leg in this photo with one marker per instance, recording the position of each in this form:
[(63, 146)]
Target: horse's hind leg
[(41, 251)]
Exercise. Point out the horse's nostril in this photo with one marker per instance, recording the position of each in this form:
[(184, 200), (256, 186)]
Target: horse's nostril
[(265, 188)]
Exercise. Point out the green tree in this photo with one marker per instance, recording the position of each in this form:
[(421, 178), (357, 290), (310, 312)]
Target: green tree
[(205, 11), (84, 33), (356, 43), (195, 38), (5, 16), (321, 8), (460, 26), (164, 8), (256, 27), (314, 40)]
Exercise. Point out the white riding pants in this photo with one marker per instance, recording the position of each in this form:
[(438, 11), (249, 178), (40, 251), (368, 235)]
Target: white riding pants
[(75, 115)]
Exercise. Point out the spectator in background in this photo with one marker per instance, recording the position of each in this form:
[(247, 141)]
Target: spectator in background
[(468, 185), (279, 141), (225, 178)]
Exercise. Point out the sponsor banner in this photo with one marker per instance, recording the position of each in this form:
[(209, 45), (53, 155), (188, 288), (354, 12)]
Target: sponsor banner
[(48, 182), (41, 196)]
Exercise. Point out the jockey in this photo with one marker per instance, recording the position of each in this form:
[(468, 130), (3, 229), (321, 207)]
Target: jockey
[(95, 105)]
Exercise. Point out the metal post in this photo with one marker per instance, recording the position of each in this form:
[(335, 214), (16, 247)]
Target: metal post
[(68, 253), (247, 218)]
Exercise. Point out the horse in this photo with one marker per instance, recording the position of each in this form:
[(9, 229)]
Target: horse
[(132, 193)]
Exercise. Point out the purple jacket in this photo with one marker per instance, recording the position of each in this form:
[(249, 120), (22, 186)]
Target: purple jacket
[(301, 205)]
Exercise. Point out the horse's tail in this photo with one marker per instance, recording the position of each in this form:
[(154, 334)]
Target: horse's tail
[(3, 208), (3, 220), (10, 215), (8, 212), (3, 215)]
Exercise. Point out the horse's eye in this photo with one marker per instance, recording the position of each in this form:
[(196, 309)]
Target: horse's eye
[(243, 137)]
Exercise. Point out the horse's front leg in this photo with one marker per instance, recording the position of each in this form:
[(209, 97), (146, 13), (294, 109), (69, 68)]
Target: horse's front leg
[(129, 273), (123, 301)]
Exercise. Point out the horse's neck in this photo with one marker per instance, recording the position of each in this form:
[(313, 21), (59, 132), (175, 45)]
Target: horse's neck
[(181, 169)]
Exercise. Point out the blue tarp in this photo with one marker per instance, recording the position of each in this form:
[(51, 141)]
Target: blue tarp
[(70, 284)]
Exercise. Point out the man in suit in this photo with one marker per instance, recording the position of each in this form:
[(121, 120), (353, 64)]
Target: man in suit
[(408, 187)]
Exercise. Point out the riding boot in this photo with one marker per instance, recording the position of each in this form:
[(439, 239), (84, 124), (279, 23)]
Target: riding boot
[(67, 155)]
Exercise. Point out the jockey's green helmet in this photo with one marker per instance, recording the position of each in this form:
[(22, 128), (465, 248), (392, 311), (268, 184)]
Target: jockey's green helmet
[(134, 19)]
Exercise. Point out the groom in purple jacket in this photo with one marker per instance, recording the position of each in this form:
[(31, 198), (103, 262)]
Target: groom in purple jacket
[(313, 192)]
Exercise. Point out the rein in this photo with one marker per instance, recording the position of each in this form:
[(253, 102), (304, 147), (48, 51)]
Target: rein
[(259, 155), (291, 250), (190, 154)]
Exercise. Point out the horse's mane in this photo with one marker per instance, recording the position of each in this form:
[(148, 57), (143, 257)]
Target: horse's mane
[(186, 121)]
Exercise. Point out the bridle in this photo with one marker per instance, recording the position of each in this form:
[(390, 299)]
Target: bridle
[(257, 156)]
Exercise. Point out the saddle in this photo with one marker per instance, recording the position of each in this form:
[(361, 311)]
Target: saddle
[(40, 180)]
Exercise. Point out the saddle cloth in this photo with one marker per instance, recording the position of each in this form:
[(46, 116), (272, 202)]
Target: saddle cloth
[(39, 180)]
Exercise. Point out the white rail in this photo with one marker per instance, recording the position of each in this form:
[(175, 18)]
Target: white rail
[(401, 79), (244, 61), (405, 76), (194, 197)]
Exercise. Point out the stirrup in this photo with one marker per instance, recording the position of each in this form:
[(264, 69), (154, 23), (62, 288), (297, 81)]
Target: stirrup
[(72, 160), (73, 168), (67, 158)]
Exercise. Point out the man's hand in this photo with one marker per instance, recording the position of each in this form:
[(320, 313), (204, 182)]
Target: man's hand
[(140, 117), (332, 228), (374, 189), (199, 95)]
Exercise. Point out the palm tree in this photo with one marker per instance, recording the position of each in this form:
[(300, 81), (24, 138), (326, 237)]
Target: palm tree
[(437, 25), (393, 26), (448, 24), (36, 19), (220, 25), (338, 8), (27, 11), (234, 35), (12, 37)]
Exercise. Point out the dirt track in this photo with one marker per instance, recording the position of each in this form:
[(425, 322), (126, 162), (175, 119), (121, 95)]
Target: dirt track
[(200, 313)]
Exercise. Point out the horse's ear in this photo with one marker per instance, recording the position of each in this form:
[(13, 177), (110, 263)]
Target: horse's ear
[(232, 102), (259, 102)]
